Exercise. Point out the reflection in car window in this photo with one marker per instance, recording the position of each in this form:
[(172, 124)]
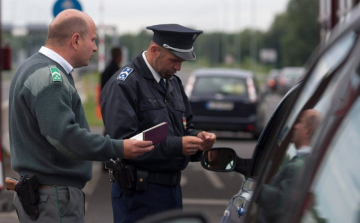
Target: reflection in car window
[(338, 179), (327, 63), (281, 182), (223, 85), (279, 177)]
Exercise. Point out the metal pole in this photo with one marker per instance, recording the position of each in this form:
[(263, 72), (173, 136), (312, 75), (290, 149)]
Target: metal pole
[(254, 41), (334, 10), (1, 151), (101, 45), (239, 36)]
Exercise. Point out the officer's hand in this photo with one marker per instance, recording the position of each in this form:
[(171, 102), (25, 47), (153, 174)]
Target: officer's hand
[(134, 148), (208, 138), (191, 145)]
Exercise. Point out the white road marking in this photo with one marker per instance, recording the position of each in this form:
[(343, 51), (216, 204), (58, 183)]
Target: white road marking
[(214, 179), (5, 104), (200, 201), (212, 176), (183, 180)]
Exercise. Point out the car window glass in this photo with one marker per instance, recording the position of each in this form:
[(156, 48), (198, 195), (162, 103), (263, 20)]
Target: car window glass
[(220, 85), (288, 167), (338, 179), (287, 164), (270, 132), (326, 64)]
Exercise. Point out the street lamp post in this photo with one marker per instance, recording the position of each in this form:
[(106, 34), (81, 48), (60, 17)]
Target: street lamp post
[(1, 67)]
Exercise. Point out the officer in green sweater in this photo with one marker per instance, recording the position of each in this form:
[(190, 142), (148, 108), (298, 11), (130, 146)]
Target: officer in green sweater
[(271, 196), (49, 134)]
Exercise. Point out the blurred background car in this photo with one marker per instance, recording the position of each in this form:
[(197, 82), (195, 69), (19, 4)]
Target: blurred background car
[(272, 80), (225, 100), (287, 77)]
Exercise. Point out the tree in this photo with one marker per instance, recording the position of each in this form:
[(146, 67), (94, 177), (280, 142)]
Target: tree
[(301, 36), (272, 39)]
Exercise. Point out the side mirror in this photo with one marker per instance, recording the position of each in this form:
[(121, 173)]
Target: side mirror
[(175, 216), (224, 159), (219, 159)]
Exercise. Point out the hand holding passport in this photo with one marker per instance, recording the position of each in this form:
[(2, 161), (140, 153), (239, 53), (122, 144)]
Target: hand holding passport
[(156, 134)]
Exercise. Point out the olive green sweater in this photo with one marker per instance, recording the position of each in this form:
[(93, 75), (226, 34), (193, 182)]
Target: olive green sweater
[(49, 133)]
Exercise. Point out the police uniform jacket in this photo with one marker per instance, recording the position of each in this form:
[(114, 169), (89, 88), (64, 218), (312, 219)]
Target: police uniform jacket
[(133, 101)]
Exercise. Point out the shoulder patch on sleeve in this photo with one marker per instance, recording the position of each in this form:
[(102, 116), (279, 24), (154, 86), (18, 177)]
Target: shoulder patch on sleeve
[(125, 73), (55, 73)]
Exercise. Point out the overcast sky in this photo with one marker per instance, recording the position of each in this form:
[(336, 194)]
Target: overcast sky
[(134, 15)]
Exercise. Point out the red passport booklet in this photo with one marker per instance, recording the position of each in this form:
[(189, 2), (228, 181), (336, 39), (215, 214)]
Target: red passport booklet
[(156, 134)]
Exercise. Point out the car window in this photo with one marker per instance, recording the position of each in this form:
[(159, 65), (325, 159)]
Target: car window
[(329, 104), (293, 73), (272, 129), (338, 179), (290, 153), (220, 85), (326, 65)]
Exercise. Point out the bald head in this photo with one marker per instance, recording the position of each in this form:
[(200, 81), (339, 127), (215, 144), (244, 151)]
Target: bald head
[(305, 127), (72, 35), (311, 118), (65, 24)]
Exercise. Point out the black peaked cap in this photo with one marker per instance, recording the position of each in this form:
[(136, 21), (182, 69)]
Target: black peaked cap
[(177, 39)]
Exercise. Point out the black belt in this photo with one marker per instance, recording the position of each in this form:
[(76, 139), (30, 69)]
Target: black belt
[(169, 179)]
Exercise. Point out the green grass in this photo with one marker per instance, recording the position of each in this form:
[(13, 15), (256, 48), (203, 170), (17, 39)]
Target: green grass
[(90, 82), (90, 112)]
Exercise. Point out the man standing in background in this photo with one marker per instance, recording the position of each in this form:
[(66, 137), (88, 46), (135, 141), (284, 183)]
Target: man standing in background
[(112, 67)]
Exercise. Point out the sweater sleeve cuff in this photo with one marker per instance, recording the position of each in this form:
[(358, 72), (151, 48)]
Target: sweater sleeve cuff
[(118, 146)]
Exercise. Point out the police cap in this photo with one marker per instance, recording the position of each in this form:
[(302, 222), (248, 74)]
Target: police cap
[(176, 38)]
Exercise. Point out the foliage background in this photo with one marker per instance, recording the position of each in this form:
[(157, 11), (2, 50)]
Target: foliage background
[(293, 34)]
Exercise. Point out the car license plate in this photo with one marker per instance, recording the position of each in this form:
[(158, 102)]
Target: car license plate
[(220, 105)]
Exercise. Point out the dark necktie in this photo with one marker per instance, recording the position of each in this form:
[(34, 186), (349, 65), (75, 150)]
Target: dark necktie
[(162, 84)]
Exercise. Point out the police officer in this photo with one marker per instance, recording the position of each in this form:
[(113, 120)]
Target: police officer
[(142, 94)]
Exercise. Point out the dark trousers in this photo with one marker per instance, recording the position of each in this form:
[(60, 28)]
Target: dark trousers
[(156, 198)]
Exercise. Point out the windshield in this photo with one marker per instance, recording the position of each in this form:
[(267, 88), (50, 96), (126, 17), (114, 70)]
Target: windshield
[(220, 85)]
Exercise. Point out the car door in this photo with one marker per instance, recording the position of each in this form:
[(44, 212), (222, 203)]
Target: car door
[(334, 192), (240, 201), (323, 69), (327, 188)]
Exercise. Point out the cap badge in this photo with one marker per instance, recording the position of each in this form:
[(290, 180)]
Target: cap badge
[(194, 37), (125, 73)]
